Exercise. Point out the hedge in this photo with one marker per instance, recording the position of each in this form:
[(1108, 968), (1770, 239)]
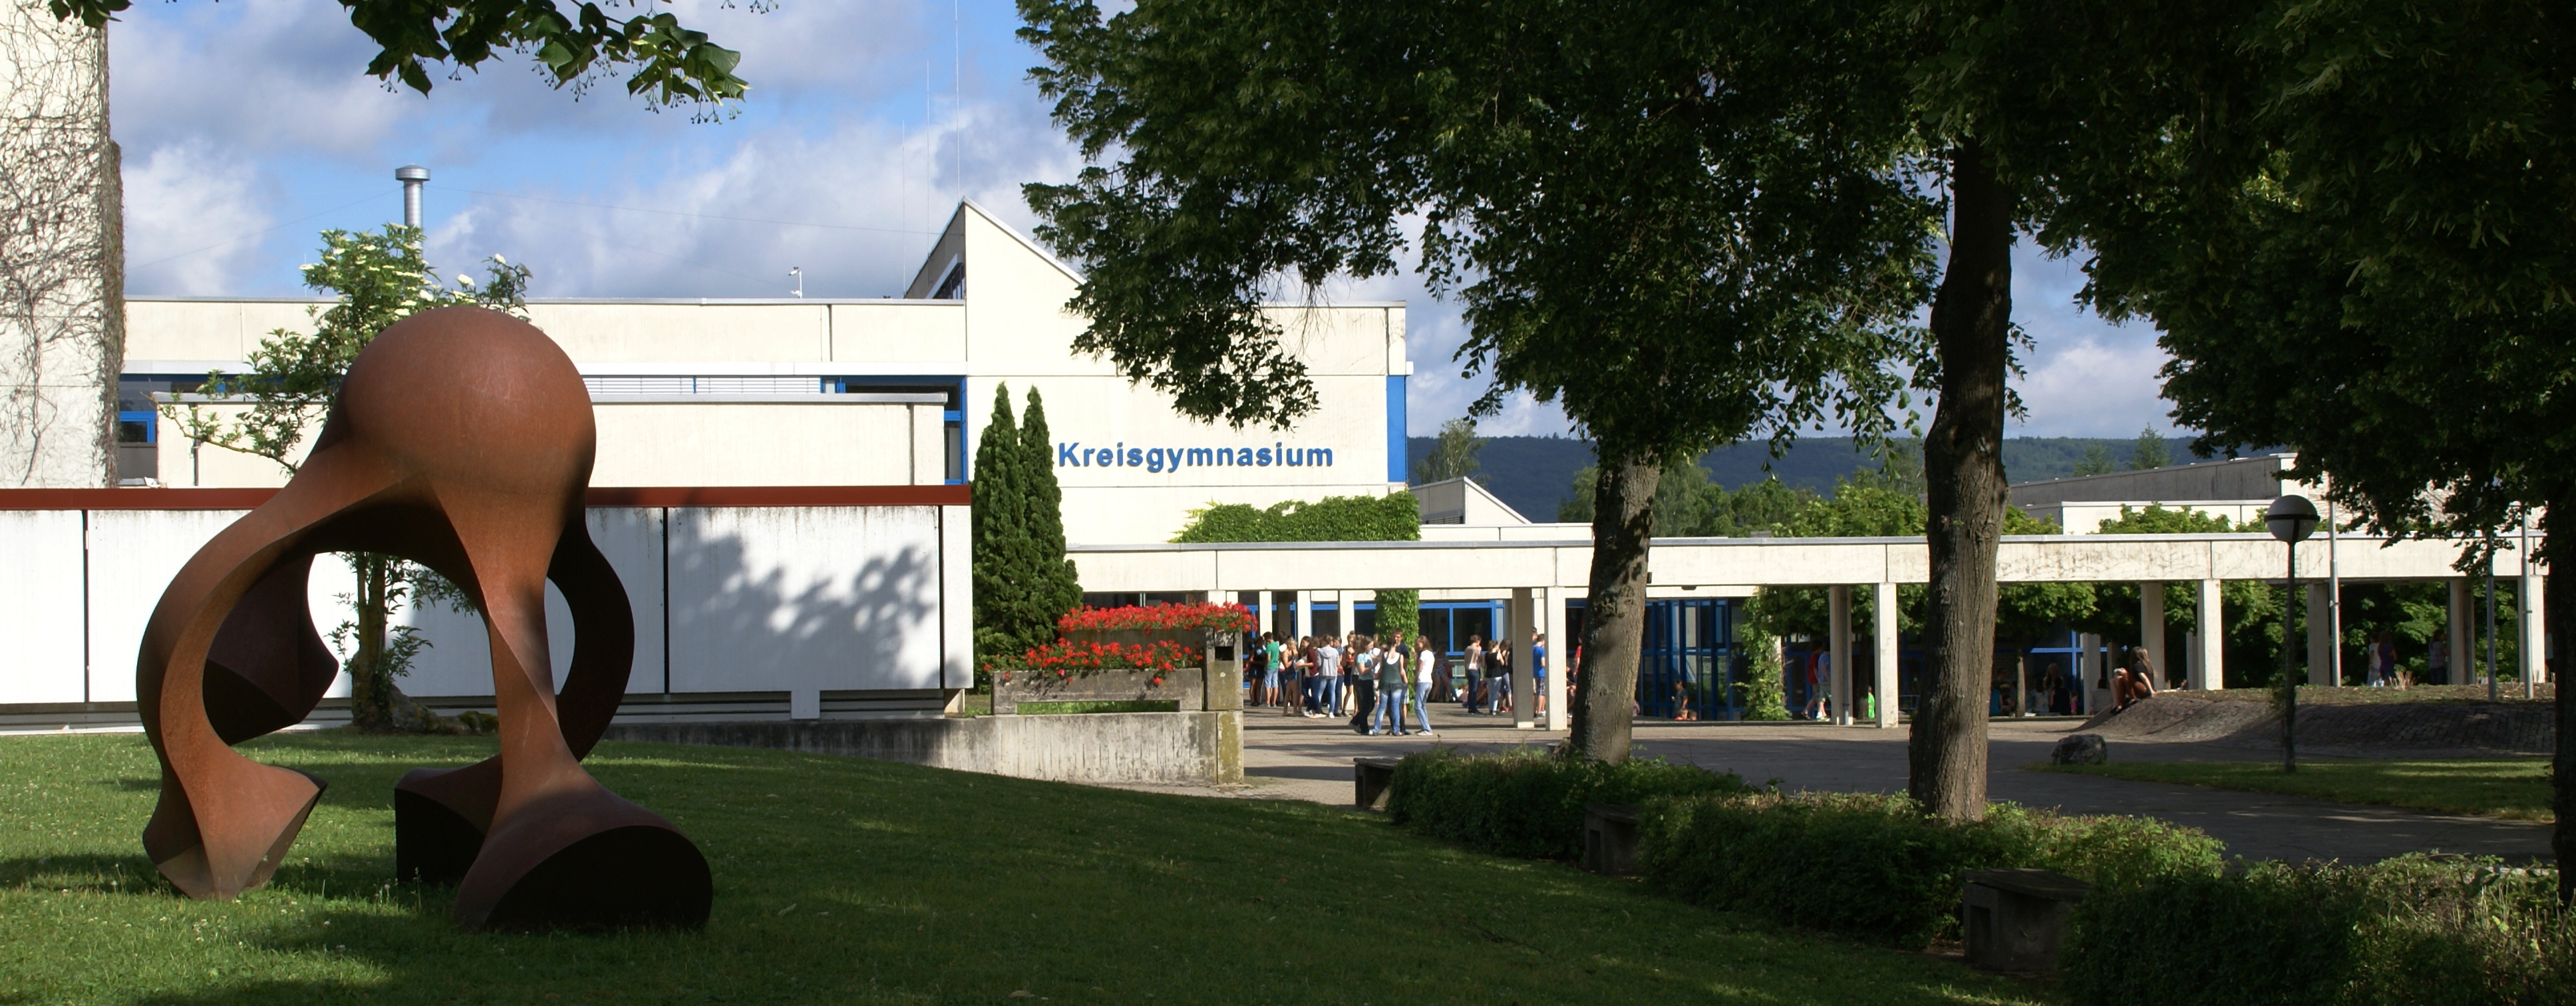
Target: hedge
[(1874, 865), (2416, 929), (1528, 802)]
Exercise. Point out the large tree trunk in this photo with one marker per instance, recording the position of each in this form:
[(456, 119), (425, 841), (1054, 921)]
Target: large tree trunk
[(1614, 615), (1964, 476)]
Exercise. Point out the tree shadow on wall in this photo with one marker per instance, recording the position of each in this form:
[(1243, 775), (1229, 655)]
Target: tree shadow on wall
[(779, 616)]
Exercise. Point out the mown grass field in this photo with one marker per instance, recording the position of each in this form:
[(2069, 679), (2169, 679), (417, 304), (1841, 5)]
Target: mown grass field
[(849, 881), (2515, 788)]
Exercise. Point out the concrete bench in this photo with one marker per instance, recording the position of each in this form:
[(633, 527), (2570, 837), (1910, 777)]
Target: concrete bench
[(1369, 780), (1610, 838), (2014, 920)]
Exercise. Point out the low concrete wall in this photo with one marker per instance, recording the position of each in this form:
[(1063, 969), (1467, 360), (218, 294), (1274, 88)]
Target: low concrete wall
[(1189, 748)]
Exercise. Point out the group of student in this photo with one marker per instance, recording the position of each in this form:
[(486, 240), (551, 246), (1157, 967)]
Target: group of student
[(1382, 685)]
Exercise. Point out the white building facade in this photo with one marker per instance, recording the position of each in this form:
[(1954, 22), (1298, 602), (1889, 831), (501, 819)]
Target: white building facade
[(795, 392)]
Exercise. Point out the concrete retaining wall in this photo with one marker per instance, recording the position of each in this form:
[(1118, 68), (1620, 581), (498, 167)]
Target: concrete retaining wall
[(1187, 748)]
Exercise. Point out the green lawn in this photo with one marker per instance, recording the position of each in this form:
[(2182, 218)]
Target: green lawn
[(2515, 788), (848, 881)]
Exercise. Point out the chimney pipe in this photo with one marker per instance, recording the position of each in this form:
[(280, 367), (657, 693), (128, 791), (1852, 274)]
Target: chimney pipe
[(411, 176)]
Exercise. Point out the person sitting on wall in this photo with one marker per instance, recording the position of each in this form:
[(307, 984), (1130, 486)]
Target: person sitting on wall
[(1682, 711), (2134, 683)]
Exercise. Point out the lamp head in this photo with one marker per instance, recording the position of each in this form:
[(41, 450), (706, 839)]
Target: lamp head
[(2291, 518)]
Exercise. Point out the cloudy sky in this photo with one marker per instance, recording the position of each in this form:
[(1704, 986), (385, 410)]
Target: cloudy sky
[(248, 127)]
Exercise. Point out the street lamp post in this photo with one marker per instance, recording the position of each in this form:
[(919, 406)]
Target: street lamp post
[(2291, 519)]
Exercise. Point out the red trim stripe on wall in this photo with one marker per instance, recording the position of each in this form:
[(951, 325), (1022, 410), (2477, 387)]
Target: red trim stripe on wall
[(600, 496)]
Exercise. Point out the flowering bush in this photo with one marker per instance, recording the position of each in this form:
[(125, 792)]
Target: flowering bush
[(1066, 658), (1159, 618)]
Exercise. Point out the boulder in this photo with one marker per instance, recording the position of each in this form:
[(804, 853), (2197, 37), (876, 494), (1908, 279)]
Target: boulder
[(2080, 749)]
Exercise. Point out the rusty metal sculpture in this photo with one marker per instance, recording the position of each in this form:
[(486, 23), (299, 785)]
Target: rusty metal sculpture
[(462, 440)]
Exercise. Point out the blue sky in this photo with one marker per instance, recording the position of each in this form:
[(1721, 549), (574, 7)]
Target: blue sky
[(248, 127)]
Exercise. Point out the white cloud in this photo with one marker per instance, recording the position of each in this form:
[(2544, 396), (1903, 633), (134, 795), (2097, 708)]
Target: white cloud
[(2085, 376), (189, 212), (734, 226), (2094, 387), (289, 75)]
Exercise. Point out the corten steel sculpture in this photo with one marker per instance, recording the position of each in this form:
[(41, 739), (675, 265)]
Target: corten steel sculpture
[(461, 440)]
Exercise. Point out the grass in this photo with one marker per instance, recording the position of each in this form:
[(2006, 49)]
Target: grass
[(1100, 706), (2516, 788), (851, 881)]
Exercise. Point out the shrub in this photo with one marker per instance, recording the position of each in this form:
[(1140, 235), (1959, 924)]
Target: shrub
[(1158, 618), (2416, 929), (1529, 802), (1066, 658), (1874, 865)]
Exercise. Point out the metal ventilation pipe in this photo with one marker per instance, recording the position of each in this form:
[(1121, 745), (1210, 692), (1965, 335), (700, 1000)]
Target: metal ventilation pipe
[(412, 176)]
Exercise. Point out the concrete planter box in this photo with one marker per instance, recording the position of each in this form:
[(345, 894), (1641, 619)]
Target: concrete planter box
[(1196, 749), (1184, 685)]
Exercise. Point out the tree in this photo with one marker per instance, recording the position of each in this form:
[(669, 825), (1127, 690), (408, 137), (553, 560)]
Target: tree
[(380, 278), (2150, 453), (2358, 241), (1050, 583), (2096, 461), (1681, 260), (1018, 571), (1453, 454), (666, 63)]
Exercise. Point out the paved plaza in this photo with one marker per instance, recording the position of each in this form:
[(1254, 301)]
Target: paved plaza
[(1310, 759)]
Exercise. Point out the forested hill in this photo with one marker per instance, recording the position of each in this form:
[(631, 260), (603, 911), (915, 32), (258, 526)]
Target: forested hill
[(1533, 474)]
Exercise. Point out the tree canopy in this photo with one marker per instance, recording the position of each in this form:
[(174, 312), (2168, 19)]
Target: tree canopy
[(1452, 454), (1687, 237), (1023, 582), (664, 62)]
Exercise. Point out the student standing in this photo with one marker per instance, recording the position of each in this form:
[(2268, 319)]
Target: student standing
[(1387, 715), (1474, 674), (1328, 666), (1363, 654), (1498, 680), (1425, 661), (1538, 673), (1819, 665)]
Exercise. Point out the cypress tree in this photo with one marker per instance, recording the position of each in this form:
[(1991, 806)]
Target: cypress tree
[(997, 526), (1051, 585)]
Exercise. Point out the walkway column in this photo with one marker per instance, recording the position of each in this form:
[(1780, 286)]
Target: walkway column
[(2211, 662), (1839, 644), (1305, 614), (2088, 670), (2151, 629), (1560, 652), (1523, 634), (1882, 606), (2456, 627), (2321, 641), (2534, 633), (1261, 613)]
